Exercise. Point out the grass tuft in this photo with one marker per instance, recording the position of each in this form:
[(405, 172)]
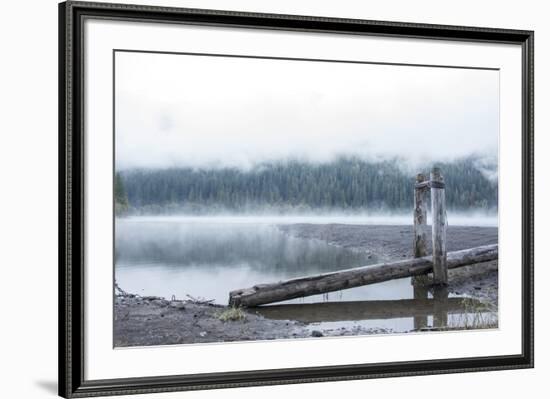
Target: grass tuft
[(232, 314), (477, 315)]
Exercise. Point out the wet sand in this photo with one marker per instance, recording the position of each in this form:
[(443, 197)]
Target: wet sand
[(144, 321), (155, 321)]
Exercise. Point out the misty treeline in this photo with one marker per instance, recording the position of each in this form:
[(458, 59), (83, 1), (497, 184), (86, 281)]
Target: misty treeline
[(347, 184)]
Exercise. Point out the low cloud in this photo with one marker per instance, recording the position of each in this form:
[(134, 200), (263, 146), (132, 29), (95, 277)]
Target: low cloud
[(179, 110)]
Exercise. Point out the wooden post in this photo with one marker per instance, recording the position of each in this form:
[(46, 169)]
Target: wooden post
[(420, 243), (420, 224), (439, 227)]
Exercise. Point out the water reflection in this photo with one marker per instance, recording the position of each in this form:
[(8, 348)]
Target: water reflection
[(431, 308), (209, 259), (440, 307)]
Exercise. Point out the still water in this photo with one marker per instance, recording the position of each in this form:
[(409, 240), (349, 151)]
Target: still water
[(207, 258)]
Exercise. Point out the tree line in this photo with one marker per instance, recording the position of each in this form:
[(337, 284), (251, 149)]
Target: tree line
[(344, 184)]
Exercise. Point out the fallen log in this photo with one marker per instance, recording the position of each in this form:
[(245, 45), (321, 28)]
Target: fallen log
[(262, 294)]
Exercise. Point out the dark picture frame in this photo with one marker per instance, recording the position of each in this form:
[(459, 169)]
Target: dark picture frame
[(72, 382)]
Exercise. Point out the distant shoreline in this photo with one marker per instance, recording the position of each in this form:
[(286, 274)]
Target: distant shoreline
[(475, 219), (388, 242)]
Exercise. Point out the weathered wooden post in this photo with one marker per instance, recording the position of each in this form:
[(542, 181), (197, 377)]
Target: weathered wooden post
[(439, 227), (420, 225)]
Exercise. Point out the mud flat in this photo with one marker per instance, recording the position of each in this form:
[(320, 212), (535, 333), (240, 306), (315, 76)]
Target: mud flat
[(144, 321)]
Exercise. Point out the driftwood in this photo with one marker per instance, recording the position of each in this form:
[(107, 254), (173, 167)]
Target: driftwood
[(199, 300), (305, 286)]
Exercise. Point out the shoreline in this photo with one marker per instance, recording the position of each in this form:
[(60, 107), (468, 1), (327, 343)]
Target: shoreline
[(151, 321), (390, 243), (146, 320), (481, 219)]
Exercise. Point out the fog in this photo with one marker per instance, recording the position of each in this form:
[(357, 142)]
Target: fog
[(195, 111), (473, 218), (210, 257)]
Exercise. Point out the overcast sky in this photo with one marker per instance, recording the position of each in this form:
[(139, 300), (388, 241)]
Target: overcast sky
[(181, 110)]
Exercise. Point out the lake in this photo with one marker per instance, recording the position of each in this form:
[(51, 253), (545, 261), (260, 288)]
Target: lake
[(207, 257)]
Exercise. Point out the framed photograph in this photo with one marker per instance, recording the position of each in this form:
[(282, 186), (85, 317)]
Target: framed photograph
[(279, 199)]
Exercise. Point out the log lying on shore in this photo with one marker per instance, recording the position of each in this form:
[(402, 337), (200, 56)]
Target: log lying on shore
[(262, 294)]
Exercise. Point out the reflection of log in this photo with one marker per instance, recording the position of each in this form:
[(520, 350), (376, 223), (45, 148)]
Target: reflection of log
[(336, 281), (362, 310)]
